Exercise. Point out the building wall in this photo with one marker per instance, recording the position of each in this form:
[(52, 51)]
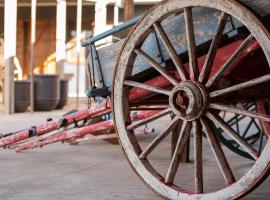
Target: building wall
[(139, 10), (46, 33), (45, 37), (88, 18)]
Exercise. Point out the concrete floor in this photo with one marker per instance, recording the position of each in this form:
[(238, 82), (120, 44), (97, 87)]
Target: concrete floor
[(89, 171)]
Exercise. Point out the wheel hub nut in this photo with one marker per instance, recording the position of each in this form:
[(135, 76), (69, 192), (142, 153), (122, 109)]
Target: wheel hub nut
[(188, 100)]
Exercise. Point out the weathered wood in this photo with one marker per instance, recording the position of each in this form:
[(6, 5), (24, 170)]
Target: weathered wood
[(213, 48), (60, 36), (78, 48), (198, 152), (230, 62), (149, 119), (218, 152), (147, 87), (179, 150), (204, 28), (33, 51), (159, 138), (186, 155), (240, 86), (166, 41), (10, 29), (155, 65), (239, 111), (116, 15), (128, 10), (175, 135), (9, 87), (127, 67), (191, 44)]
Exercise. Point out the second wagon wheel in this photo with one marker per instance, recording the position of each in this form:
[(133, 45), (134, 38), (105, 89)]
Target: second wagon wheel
[(247, 127), (193, 85)]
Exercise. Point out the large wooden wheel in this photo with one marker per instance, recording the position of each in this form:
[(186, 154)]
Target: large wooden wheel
[(195, 97)]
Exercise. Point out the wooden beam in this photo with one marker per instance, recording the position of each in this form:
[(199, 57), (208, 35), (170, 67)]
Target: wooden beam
[(10, 30), (33, 45), (60, 36), (128, 10), (116, 15), (100, 17), (78, 47)]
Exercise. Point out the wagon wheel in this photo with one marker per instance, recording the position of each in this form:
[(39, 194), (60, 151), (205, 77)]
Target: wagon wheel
[(195, 101), (264, 107), (247, 127)]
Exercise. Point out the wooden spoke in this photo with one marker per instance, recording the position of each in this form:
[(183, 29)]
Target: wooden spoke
[(149, 119), (179, 150), (175, 136), (155, 65), (218, 152), (206, 70), (241, 86), (241, 141), (168, 45), (230, 62), (147, 87), (191, 43), (239, 111), (198, 157), (159, 138)]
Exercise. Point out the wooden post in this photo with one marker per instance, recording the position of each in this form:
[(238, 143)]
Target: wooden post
[(60, 36), (128, 10), (33, 44), (116, 15), (10, 30), (100, 17), (78, 47)]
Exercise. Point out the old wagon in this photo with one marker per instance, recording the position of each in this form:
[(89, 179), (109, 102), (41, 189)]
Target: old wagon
[(192, 60), (188, 61)]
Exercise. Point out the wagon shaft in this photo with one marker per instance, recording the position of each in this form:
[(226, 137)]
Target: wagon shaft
[(53, 125), (81, 132)]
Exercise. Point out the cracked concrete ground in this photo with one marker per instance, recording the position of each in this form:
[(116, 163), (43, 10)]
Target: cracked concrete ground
[(89, 171)]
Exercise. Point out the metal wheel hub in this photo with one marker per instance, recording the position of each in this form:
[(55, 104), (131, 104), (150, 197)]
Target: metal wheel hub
[(188, 100)]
